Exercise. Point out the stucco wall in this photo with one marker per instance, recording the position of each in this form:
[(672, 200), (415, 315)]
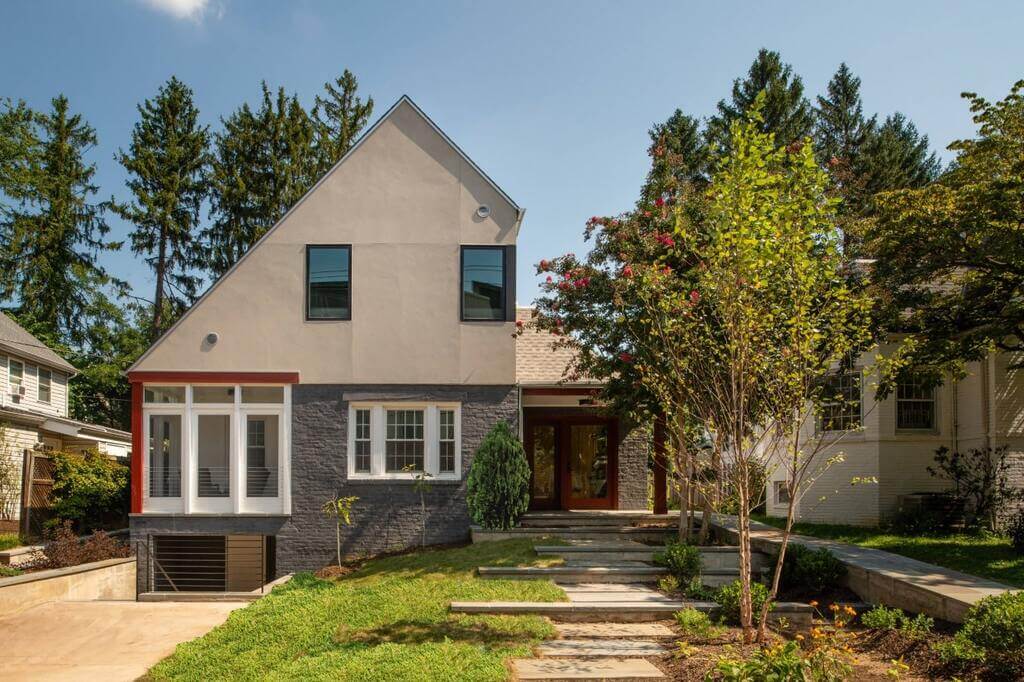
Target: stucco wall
[(405, 200)]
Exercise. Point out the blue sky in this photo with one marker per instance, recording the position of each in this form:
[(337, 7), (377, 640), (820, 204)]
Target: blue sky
[(553, 99)]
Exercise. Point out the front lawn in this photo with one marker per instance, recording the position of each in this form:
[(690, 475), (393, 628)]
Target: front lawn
[(9, 540), (387, 621), (981, 555)]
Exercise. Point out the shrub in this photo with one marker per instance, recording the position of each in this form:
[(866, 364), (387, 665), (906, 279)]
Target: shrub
[(814, 570), (497, 489), (728, 597), (981, 482), (1016, 532), (91, 490), (779, 662), (696, 624), (669, 584), (8, 572), (681, 560), (8, 540), (996, 625), (63, 548), (882, 618), (918, 626)]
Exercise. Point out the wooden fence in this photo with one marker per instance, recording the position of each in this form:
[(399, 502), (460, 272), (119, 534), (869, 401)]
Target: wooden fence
[(36, 488)]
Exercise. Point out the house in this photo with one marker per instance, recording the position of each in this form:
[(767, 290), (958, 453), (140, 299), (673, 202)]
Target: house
[(366, 339), (34, 414), (886, 459)]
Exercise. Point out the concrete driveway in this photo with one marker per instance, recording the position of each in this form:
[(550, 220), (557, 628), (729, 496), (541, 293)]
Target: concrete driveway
[(100, 640)]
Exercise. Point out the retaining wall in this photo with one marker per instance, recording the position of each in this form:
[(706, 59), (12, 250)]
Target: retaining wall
[(113, 579)]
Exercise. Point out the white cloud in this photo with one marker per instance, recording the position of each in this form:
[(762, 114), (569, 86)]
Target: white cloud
[(185, 9)]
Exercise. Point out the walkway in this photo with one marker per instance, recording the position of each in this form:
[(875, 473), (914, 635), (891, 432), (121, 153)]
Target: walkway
[(101, 640), (882, 577)]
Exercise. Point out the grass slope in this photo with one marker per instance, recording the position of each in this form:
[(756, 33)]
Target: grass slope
[(986, 556), (388, 621)]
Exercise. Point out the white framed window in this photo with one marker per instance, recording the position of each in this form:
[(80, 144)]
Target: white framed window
[(43, 387), (781, 491), (915, 404), (16, 379), (403, 440), (841, 401)]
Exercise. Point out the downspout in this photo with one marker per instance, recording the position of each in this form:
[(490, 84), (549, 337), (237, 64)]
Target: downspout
[(986, 400), (955, 414)]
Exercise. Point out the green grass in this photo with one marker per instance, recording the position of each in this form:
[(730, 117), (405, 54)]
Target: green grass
[(9, 540), (388, 621), (987, 556), (8, 572)]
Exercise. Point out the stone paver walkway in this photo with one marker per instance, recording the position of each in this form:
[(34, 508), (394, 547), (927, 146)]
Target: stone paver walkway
[(882, 577)]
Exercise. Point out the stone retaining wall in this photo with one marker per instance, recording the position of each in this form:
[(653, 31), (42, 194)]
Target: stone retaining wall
[(101, 580)]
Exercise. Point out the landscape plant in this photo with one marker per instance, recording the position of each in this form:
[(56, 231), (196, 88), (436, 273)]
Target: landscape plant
[(1015, 531), (730, 599), (90, 490), (10, 478), (340, 509), (995, 626), (682, 561), (981, 483), (497, 488), (63, 548), (696, 624), (811, 570)]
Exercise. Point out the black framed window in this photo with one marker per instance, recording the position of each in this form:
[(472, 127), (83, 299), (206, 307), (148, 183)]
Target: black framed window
[(488, 291), (328, 282)]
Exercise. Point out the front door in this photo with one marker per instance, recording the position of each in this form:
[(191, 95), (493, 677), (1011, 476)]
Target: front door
[(573, 462)]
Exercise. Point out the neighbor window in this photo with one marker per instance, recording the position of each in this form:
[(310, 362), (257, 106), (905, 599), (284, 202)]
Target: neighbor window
[(840, 405), (487, 292), (781, 492), (915, 404), (404, 440), (43, 388), (328, 283), (15, 375)]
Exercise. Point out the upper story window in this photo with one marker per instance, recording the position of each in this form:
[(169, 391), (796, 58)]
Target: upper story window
[(16, 379), (328, 282), (840, 404), (915, 404), (487, 283), (43, 387)]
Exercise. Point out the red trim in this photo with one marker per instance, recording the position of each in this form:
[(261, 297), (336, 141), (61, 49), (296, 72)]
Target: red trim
[(660, 468), (136, 468), (216, 377), (561, 391)]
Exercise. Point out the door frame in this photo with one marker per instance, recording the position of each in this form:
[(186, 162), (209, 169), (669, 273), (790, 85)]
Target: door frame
[(562, 419)]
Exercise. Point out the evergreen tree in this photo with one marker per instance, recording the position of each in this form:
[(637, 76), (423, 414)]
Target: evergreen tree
[(841, 129), (53, 231), (787, 113), (896, 156), (679, 154), (166, 164), (339, 117), (264, 162), (19, 151)]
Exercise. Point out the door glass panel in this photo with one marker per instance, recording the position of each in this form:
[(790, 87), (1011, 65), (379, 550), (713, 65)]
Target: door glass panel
[(165, 455), (588, 461), (261, 461), (543, 463), (214, 440)]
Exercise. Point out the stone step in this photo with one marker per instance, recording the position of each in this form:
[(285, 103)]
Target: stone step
[(648, 597), (605, 533), (711, 558), (598, 647), (592, 612), (576, 574), (596, 560), (613, 630), (558, 670)]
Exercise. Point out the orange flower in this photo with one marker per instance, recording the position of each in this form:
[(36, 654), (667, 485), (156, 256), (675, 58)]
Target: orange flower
[(814, 604)]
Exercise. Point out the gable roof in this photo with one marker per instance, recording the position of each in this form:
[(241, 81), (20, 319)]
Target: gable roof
[(16, 340), (537, 362), (519, 211)]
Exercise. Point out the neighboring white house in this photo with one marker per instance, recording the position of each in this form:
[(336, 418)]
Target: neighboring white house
[(900, 436), (34, 411)]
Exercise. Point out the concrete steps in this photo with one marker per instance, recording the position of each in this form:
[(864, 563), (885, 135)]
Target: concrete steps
[(600, 532), (609, 573), (564, 670), (633, 611), (577, 519), (614, 630), (598, 647)]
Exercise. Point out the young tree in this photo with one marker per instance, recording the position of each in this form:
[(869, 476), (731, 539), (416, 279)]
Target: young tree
[(963, 232), (166, 165), (264, 161), (53, 232), (339, 116), (787, 113)]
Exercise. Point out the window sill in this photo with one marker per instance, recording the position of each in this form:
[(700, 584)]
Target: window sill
[(401, 479)]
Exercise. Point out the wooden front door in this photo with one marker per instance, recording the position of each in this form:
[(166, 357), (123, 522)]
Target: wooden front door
[(573, 462)]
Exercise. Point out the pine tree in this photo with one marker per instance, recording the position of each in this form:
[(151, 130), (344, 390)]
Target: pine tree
[(263, 163), (19, 151), (339, 117), (896, 156), (53, 231), (841, 129), (787, 113), (679, 154), (166, 164)]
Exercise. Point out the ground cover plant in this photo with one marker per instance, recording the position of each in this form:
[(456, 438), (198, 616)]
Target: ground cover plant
[(984, 555), (9, 540), (388, 620)]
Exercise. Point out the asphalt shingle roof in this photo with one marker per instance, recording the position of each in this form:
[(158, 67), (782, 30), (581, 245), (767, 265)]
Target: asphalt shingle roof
[(16, 340), (537, 362)]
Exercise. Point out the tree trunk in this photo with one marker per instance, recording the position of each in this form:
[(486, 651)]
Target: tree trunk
[(762, 623), (158, 298), (337, 535), (743, 518)]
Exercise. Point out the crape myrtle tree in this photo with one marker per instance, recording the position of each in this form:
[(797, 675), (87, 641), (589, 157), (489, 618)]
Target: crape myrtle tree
[(731, 321), (963, 233), (166, 164)]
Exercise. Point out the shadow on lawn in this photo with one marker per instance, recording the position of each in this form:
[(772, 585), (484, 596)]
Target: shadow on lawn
[(451, 561), (419, 632)]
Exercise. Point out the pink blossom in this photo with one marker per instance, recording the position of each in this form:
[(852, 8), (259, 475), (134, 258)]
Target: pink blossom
[(548, 280), (695, 297), (625, 357), (627, 271), (659, 202)]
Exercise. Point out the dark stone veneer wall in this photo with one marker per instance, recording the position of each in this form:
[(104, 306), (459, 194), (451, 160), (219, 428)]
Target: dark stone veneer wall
[(387, 515)]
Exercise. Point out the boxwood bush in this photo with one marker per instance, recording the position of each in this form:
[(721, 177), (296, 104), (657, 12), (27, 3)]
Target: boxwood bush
[(995, 625), (681, 560), (811, 570), (728, 597), (497, 489)]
